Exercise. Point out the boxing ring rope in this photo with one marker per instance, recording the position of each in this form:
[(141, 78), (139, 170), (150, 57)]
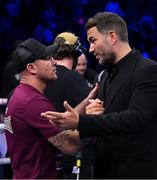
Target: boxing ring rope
[(1, 127), (6, 160), (3, 101)]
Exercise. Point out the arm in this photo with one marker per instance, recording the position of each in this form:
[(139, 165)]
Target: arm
[(66, 120), (140, 111), (81, 107), (70, 118), (67, 141)]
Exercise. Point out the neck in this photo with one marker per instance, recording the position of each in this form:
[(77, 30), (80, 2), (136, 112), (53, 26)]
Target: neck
[(122, 50), (36, 83), (66, 62)]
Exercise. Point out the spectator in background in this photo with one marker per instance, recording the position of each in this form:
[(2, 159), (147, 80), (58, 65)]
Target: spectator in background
[(71, 87), (88, 74), (10, 77)]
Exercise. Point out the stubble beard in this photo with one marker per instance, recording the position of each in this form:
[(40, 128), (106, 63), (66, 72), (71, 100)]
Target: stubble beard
[(109, 58)]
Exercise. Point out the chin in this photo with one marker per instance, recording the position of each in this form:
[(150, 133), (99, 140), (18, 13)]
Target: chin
[(82, 73), (101, 62), (55, 77)]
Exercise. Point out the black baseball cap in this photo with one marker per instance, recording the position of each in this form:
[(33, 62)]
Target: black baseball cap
[(30, 50)]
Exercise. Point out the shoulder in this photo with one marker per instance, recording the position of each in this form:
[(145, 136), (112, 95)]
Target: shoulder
[(75, 79), (145, 70), (40, 103), (66, 74), (62, 70), (30, 98), (145, 65)]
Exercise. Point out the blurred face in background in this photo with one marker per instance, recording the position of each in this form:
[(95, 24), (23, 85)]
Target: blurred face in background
[(82, 64)]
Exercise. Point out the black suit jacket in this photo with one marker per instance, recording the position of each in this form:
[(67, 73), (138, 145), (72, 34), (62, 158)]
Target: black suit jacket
[(126, 143)]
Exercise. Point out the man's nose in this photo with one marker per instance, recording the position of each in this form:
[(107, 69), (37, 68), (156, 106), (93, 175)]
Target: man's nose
[(54, 62), (91, 48)]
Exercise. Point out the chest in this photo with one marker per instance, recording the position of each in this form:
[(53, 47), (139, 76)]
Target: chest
[(117, 95)]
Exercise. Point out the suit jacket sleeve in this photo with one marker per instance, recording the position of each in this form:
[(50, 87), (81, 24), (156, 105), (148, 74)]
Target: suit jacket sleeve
[(140, 113)]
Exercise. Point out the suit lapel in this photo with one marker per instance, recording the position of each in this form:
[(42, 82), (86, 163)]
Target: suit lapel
[(101, 93), (121, 78)]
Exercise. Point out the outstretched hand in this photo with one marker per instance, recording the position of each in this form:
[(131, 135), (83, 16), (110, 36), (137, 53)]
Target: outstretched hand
[(66, 120)]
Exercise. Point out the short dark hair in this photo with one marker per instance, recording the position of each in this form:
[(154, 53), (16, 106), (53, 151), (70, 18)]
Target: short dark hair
[(106, 21), (65, 51)]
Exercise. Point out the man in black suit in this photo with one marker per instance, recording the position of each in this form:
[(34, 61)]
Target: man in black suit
[(127, 131)]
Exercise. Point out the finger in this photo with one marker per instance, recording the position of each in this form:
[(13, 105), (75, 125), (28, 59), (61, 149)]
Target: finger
[(95, 88), (56, 123), (53, 114), (98, 101), (53, 118), (46, 113), (60, 124), (94, 110), (68, 107), (95, 101), (93, 92), (52, 122), (94, 105), (97, 113), (42, 114), (50, 116), (91, 100)]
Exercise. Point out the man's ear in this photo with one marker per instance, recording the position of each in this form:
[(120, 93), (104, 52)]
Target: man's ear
[(31, 67), (113, 36)]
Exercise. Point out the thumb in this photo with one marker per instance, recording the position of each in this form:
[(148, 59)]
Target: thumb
[(68, 107), (93, 92)]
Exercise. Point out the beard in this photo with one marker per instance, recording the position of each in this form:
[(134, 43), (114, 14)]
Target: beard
[(48, 80), (108, 58)]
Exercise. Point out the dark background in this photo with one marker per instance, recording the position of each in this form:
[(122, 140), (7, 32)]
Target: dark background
[(44, 19)]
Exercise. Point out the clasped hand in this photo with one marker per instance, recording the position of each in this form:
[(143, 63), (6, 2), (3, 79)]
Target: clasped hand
[(70, 118)]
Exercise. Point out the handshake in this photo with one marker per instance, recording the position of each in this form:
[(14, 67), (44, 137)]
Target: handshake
[(95, 107), (70, 118)]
